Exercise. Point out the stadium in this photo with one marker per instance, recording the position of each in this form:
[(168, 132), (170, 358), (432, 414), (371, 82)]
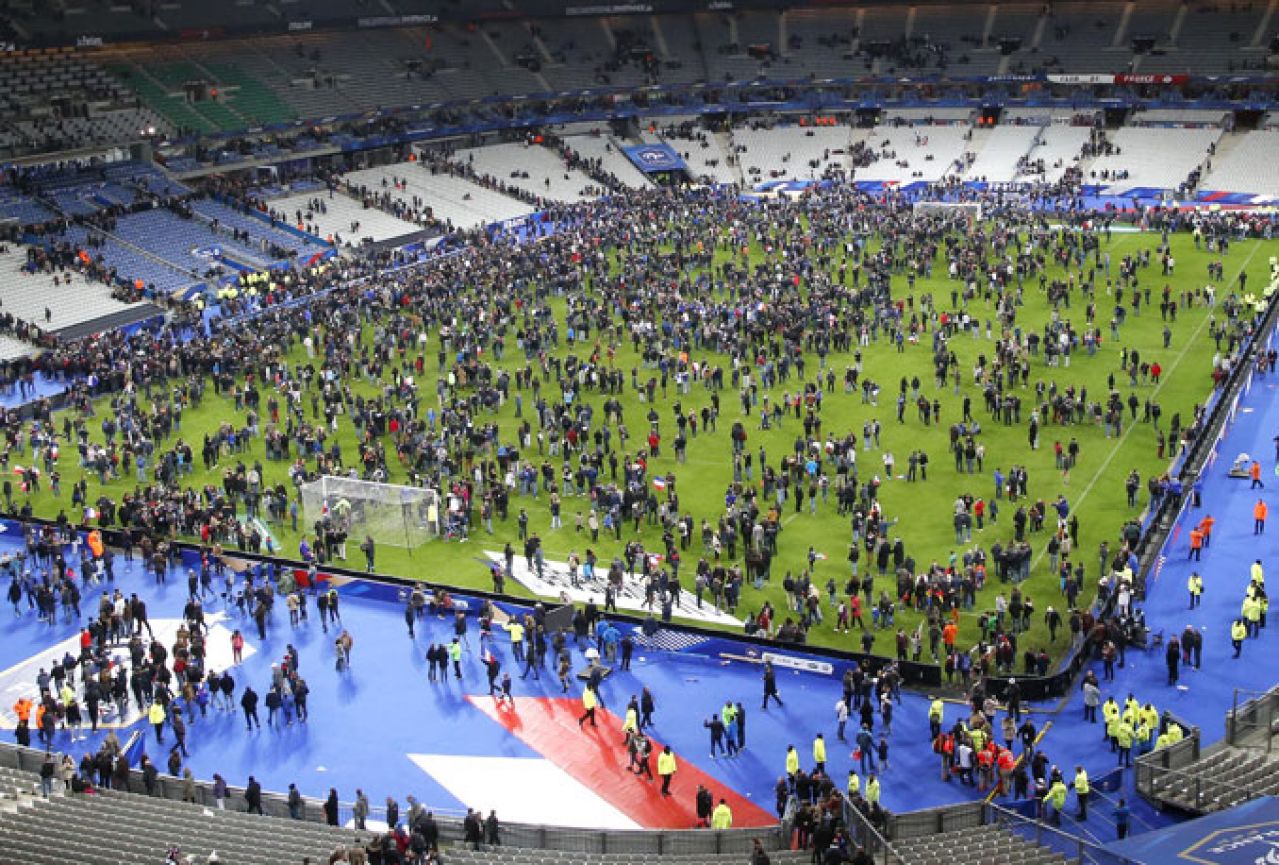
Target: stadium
[(660, 432)]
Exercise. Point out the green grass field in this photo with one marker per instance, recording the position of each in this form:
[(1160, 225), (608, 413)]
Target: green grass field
[(922, 510)]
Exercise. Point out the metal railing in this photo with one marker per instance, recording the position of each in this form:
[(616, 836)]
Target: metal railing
[(1255, 723), (861, 830), (1149, 767), (933, 821), (1075, 849)]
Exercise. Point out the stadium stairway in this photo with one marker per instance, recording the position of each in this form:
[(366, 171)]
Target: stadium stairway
[(725, 141)]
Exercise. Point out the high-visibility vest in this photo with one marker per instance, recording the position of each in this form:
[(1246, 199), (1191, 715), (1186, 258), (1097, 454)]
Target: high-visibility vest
[(1056, 795)]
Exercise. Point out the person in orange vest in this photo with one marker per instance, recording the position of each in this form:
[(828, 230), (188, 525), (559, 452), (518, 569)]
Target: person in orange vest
[(46, 736), (1254, 472), (1259, 511), (1196, 543), (985, 769), (1205, 526), (1006, 762), (949, 634), (95, 543), (22, 709)]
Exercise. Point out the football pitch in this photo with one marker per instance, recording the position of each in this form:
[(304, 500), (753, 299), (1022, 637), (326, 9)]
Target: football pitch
[(920, 512)]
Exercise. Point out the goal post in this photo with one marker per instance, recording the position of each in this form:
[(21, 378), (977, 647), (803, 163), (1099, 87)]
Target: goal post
[(969, 210), (391, 514)]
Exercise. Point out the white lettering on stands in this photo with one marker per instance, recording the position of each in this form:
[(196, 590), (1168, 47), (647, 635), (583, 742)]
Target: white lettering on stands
[(610, 9), (806, 665)]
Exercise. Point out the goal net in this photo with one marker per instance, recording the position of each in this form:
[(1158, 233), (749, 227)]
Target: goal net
[(393, 515), (966, 209)]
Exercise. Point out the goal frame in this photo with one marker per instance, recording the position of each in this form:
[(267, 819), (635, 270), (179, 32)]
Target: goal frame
[(394, 515), (971, 208)]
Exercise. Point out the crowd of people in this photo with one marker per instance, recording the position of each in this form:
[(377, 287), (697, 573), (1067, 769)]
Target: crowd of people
[(712, 333)]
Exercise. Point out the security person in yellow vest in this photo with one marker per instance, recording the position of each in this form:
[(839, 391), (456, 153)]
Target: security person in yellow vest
[(854, 783), (1196, 587), (1141, 739), (935, 713), (589, 702), (1055, 801), (1113, 723), (722, 817), (1124, 737), (792, 763), (1251, 615), (872, 790), (666, 768), (1081, 792), (1238, 633), (819, 753), (1150, 715), (1110, 713)]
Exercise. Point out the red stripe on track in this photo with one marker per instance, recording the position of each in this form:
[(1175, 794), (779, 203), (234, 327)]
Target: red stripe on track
[(597, 759)]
